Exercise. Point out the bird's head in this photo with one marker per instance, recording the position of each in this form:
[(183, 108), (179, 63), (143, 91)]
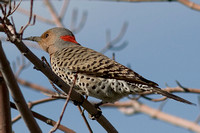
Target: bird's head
[(54, 39)]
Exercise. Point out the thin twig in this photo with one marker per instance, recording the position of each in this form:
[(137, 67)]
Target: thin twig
[(63, 9), (29, 21), (110, 43), (85, 120), (55, 88), (31, 104), (76, 29), (162, 105), (53, 13), (155, 100), (65, 105), (181, 86), (177, 89), (190, 4), (15, 8), (38, 17), (35, 87), (46, 120), (22, 66)]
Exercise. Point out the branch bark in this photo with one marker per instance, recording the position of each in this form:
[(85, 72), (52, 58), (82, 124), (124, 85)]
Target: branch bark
[(16, 93), (5, 115)]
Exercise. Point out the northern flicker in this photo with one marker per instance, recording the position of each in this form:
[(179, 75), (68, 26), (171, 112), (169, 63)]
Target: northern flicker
[(97, 75)]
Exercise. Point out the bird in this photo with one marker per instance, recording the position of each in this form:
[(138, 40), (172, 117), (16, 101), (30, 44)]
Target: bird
[(97, 75)]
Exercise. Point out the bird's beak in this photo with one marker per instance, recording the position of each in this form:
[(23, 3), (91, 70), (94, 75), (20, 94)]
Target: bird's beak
[(33, 38)]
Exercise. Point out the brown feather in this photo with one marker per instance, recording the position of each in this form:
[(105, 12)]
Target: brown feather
[(87, 61)]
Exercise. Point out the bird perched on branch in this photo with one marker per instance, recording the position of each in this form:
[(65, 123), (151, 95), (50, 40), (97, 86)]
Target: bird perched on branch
[(97, 75)]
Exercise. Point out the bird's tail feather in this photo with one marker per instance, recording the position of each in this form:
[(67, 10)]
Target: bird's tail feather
[(172, 96)]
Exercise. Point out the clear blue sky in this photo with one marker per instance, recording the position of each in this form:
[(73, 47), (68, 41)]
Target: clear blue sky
[(163, 45)]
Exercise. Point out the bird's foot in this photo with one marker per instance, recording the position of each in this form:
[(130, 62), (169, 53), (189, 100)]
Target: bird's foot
[(97, 115), (78, 103)]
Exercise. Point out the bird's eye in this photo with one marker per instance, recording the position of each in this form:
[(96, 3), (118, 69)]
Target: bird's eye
[(46, 35)]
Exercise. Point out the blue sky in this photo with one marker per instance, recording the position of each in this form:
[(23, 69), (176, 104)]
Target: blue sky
[(163, 46)]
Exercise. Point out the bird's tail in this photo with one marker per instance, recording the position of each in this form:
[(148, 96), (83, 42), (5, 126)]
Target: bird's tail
[(172, 96)]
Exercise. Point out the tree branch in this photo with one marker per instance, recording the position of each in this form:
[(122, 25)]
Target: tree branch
[(64, 8), (190, 4), (31, 104), (35, 87), (53, 13), (46, 120), (131, 107), (16, 93), (5, 115), (110, 45), (38, 17)]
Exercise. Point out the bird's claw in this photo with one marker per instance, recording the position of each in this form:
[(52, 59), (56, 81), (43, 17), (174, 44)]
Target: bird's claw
[(97, 115)]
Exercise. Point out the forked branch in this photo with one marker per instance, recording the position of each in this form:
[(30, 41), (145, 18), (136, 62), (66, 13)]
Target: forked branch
[(110, 45)]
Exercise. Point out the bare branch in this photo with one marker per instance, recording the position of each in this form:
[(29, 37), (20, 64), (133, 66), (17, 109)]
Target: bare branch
[(35, 87), (5, 115), (110, 43), (40, 18), (55, 88), (170, 90), (47, 120), (76, 29), (65, 105), (177, 89), (22, 66), (29, 21), (31, 104), (190, 4), (64, 8), (155, 100), (154, 113), (162, 105), (16, 93), (15, 8), (53, 13), (85, 120)]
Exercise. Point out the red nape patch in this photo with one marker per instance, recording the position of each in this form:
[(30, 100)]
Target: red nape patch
[(69, 38)]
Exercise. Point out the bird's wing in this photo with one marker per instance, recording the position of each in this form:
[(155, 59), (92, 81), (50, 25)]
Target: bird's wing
[(90, 62)]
